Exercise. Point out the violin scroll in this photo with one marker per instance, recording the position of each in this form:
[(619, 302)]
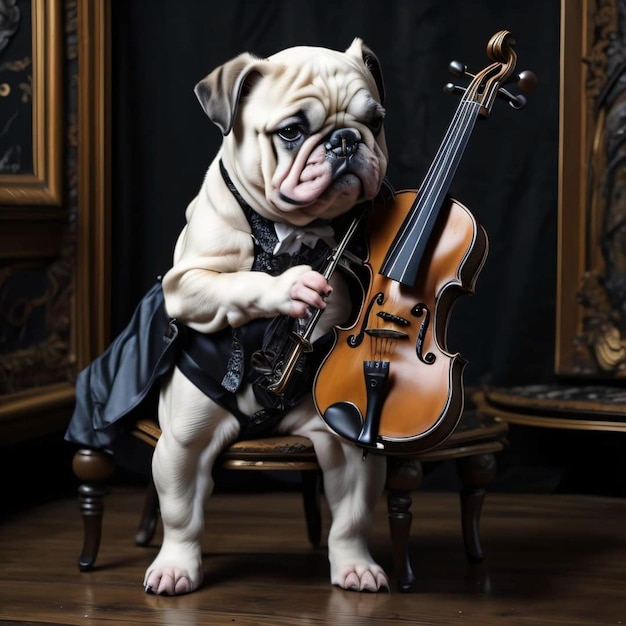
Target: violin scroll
[(489, 83)]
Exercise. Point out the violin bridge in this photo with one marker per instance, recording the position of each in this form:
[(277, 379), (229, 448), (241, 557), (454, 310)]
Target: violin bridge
[(386, 333)]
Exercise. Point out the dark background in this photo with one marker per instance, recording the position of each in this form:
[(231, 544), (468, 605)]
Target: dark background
[(163, 144)]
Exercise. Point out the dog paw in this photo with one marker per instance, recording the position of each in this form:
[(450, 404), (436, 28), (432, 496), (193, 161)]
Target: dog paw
[(169, 577), (368, 577), (168, 582)]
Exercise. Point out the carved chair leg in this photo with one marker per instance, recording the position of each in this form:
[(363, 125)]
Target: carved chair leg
[(404, 476), (149, 517), (93, 469), (475, 472), (311, 493)]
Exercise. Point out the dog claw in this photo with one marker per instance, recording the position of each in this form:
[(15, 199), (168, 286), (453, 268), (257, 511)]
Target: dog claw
[(352, 582), (368, 583), (382, 584)]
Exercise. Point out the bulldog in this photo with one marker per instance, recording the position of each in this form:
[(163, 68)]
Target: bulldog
[(303, 145)]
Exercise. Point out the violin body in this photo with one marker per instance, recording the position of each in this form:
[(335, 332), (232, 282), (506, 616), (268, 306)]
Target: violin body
[(389, 383)]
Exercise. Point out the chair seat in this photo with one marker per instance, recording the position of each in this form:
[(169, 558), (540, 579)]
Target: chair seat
[(472, 436), (284, 452), (288, 452)]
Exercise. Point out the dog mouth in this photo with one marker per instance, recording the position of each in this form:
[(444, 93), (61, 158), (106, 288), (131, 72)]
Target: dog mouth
[(346, 182)]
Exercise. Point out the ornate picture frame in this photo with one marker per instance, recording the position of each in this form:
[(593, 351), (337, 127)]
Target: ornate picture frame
[(55, 260), (39, 182), (591, 281)]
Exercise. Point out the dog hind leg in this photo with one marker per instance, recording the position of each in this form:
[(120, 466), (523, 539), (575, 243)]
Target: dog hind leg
[(194, 432), (353, 486)]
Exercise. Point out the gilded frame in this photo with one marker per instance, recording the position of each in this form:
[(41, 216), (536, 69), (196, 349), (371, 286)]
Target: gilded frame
[(588, 342), (42, 410), (44, 185)]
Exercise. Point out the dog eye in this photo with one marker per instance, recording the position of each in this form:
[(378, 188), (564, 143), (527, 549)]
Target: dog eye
[(376, 125), (290, 133)]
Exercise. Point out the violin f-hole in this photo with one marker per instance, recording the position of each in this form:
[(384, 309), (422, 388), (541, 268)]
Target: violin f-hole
[(418, 310), (355, 340)]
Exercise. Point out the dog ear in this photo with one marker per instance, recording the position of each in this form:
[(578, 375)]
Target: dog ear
[(220, 92), (371, 63)]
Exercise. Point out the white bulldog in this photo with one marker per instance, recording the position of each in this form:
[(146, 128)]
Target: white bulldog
[(303, 145)]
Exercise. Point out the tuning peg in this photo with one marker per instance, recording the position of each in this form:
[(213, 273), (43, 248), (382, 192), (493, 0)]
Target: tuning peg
[(527, 81), (456, 68), (517, 102), (450, 88)]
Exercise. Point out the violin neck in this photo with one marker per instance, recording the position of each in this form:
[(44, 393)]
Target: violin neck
[(405, 255)]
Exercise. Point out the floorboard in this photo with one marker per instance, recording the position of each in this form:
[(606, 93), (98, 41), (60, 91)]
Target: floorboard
[(551, 560)]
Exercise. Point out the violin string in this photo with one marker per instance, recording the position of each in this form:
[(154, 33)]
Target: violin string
[(443, 167), (437, 180), (443, 150)]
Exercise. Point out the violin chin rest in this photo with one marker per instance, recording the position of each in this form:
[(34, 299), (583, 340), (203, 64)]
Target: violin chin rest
[(346, 420)]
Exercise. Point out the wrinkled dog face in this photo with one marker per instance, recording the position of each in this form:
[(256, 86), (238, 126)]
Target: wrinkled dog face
[(303, 129)]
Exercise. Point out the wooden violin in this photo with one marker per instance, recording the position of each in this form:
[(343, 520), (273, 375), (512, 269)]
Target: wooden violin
[(389, 383)]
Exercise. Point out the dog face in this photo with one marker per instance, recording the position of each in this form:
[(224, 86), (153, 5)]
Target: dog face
[(303, 129)]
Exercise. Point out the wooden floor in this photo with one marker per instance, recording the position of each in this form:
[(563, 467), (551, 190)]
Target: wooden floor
[(551, 559)]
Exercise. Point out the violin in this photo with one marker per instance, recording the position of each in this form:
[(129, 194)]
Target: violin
[(389, 383)]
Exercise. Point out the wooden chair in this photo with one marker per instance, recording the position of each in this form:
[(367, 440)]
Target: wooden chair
[(472, 446)]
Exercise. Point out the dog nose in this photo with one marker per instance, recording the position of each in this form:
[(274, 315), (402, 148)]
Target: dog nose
[(344, 142)]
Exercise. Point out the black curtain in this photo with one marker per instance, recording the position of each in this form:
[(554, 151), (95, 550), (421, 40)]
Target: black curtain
[(163, 142)]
